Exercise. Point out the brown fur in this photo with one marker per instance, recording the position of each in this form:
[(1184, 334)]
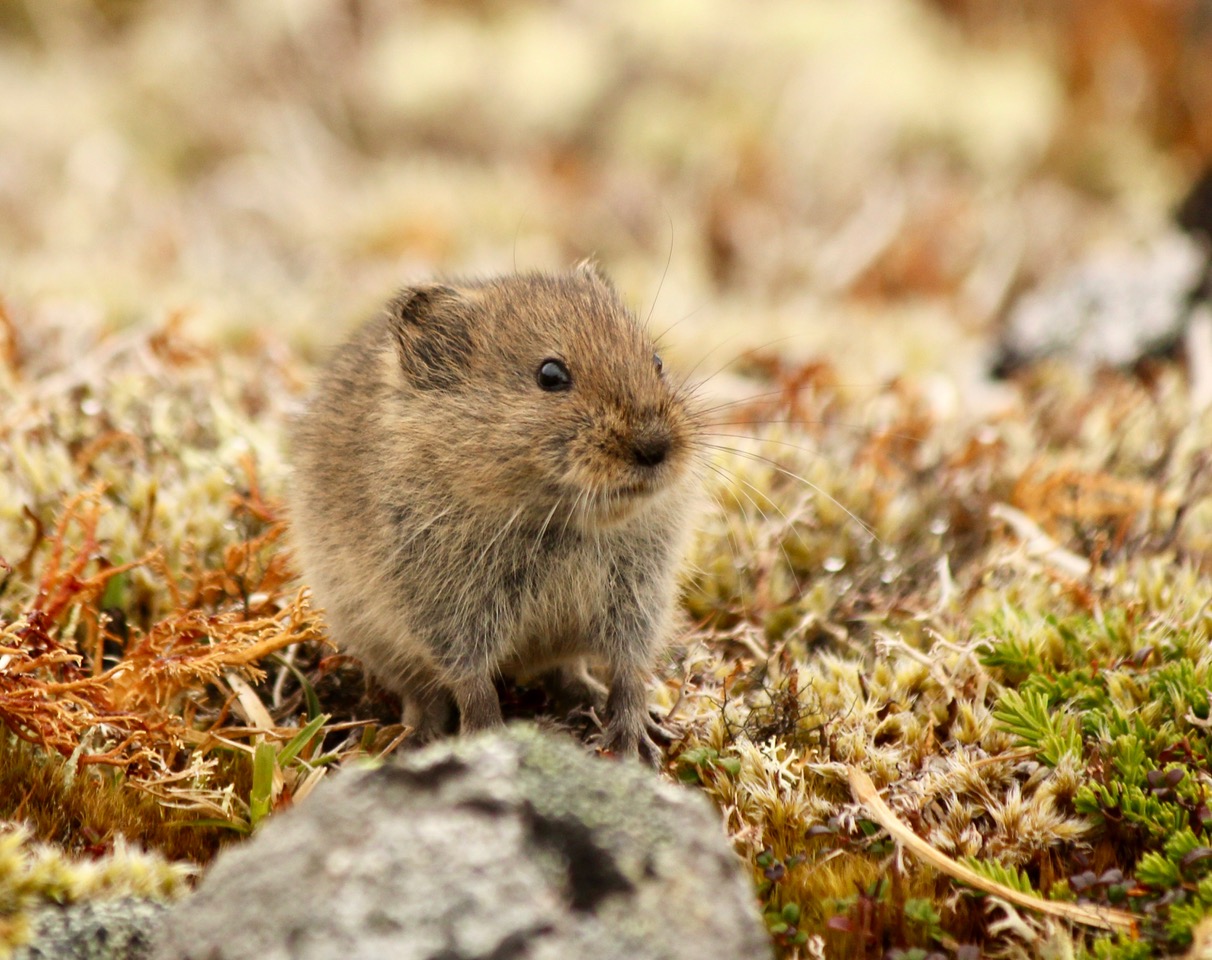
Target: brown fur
[(458, 521)]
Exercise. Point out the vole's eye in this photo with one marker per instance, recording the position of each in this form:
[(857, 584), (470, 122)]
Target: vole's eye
[(553, 375), (658, 362)]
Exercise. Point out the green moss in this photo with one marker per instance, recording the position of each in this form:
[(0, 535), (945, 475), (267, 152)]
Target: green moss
[(93, 809), (1129, 698), (34, 875)]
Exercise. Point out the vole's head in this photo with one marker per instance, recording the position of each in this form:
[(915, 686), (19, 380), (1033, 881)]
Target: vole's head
[(549, 392)]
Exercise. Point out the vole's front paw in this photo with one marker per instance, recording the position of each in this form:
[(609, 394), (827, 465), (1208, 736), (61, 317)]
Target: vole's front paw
[(631, 743), (430, 714), (635, 740), (657, 730)]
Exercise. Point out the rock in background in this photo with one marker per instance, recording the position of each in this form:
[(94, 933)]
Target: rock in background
[(1123, 304), (1112, 309)]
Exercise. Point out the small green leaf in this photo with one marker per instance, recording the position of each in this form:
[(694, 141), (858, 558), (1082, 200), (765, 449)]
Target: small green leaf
[(698, 756), (1029, 716), (732, 765), (1000, 873), (238, 826), (309, 692), (114, 596), (922, 912), (1154, 870), (1024, 715), (265, 759), (301, 739)]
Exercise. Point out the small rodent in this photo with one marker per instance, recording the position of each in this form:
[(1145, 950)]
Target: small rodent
[(497, 477)]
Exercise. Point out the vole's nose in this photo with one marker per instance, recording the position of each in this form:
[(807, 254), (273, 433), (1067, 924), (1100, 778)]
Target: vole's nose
[(650, 450)]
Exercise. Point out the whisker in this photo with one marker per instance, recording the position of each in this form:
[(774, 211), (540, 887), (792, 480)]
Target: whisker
[(742, 402), (723, 510), (811, 451), (741, 356), (665, 272), (790, 523), (693, 391), (422, 527), (576, 505), (538, 540), (673, 326), (804, 480), (497, 537), (802, 422), (781, 443), (682, 384)]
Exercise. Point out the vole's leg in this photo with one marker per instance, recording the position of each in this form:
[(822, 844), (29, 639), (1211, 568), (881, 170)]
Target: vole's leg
[(479, 705), (574, 688), (468, 653), (429, 710), (630, 728), (632, 632)]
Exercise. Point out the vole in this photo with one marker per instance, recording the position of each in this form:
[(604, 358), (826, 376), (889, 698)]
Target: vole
[(496, 477)]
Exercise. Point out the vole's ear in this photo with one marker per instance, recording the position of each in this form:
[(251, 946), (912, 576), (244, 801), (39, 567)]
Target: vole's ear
[(430, 327)]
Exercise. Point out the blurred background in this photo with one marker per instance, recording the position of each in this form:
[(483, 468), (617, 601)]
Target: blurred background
[(874, 181)]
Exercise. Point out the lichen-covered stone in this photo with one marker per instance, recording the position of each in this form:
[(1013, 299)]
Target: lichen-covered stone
[(508, 845), (1112, 309), (103, 930)]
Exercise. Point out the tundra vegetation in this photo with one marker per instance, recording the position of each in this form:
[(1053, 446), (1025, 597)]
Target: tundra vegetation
[(945, 669)]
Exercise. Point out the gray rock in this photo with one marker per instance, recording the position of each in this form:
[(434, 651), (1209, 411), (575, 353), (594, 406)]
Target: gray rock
[(507, 846), (1113, 309), (95, 930)]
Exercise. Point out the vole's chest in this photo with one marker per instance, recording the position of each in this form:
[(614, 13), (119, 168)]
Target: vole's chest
[(555, 602), (544, 590), (563, 588)]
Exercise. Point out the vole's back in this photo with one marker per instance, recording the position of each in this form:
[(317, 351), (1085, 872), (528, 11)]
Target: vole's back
[(495, 477)]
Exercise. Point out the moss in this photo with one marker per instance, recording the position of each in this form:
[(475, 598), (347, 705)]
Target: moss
[(1132, 699), (35, 876), (91, 811)]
